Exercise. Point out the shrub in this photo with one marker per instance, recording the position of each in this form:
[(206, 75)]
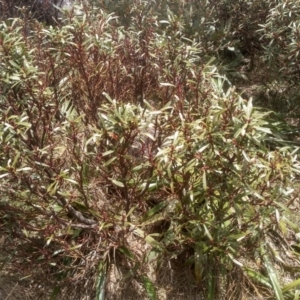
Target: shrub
[(254, 43), (123, 147), (42, 10)]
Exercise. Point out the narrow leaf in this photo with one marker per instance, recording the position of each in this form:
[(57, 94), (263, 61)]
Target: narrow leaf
[(100, 287), (272, 276), (291, 285), (257, 277), (117, 183), (149, 287), (204, 181), (154, 210)]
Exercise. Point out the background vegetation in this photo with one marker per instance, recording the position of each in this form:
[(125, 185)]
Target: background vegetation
[(149, 149)]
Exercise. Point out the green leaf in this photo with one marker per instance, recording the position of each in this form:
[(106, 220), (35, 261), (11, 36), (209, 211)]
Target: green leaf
[(75, 247), (101, 281), (57, 208), (148, 239), (117, 183), (154, 219), (204, 181), (203, 148), (151, 256), (297, 295), (291, 286), (14, 64), (257, 277), (107, 97), (151, 241), (15, 77), (55, 293), (154, 210), (208, 233), (263, 129), (107, 152), (71, 180), (199, 266), (16, 159), (211, 285), (79, 206), (272, 275), (294, 226), (131, 210), (132, 272), (149, 135), (52, 188), (127, 252), (110, 161), (149, 287)]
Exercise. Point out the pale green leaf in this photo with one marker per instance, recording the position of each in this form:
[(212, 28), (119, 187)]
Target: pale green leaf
[(290, 286), (257, 277), (117, 183)]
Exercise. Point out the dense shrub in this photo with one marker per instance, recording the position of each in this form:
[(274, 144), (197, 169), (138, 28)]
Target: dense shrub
[(124, 145), (46, 11), (254, 42)]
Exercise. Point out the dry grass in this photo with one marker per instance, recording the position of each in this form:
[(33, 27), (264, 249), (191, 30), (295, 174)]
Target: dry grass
[(11, 289)]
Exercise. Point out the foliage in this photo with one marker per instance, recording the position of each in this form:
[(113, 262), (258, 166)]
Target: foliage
[(123, 144), (255, 43), (42, 10)]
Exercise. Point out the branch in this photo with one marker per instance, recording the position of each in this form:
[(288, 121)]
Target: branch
[(74, 213)]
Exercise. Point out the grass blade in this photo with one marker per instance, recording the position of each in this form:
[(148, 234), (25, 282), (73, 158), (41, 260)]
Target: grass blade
[(258, 277), (149, 287), (100, 285), (199, 267), (291, 285), (272, 275)]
